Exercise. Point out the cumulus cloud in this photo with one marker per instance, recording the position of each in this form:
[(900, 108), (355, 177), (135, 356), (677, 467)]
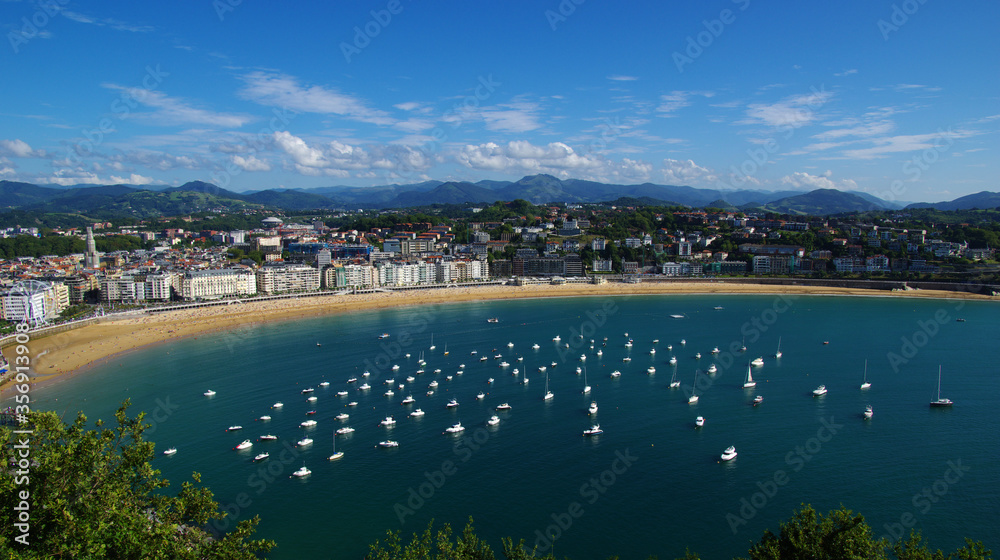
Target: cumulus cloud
[(18, 148), (250, 163), (686, 172), (338, 159), (520, 156), (801, 179), (133, 179)]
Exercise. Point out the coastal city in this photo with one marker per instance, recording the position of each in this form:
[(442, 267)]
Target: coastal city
[(557, 243)]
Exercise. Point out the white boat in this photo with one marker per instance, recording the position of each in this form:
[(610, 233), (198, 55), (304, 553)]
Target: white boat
[(480, 396), (351, 380), (672, 361), (757, 400), (525, 381), (432, 346), (677, 316), (473, 353), (699, 421), (718, 307), (535, 346), (456, 428), (600, 352), (583, 357), (433, 384), (819, 391), (445, 349), (390, 393), (715, 350), (261, 456), (548, 394), (388, 443), (352, 403), (515, 372), (364, 387), (366, 373), (674, 382), (307, 391), (340, 394), (670, 347), (307, 424), (483, 359), (683, 342), (504, 364), (520, 358), (209, 393), (246, 444), (556, 338), (490, 380), (868, 412), (593, 408), (743, 345), (170, 451), (408, 400), (311, 399), (410, 379), (651, 370), (395, 367), (277, 405), (327, 383), (865, 384), (697, 355), (652, 351), (757, 362), (586, 386), (729, 454), (388, 421), (656, 341), (553, 364), (431, 392), (494, 420), (234, 428), (940, 402), (713, 369), (510, 345), (304, 442), (628, 344), (417, 413), (594, 430), (749, 380), (336, 454), (451, 404), (345, 430), (542, 369), (302, 472), (383, 336), (626, 359), (579, 370), (778, 353), (616, 373)]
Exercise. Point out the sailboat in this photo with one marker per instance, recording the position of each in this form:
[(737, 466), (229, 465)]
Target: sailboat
[(548, 394), (778, 353), (445, 348), (866, 384), (586, 387), (940, 401), (336, 454), (432, 342), (749, 382), (743, 345), (694, 398), (674, 383)]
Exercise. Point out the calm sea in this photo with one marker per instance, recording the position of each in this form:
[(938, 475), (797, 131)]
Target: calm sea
[(652, 483)]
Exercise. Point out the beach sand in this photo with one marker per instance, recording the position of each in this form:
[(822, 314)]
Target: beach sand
[(69, 351)]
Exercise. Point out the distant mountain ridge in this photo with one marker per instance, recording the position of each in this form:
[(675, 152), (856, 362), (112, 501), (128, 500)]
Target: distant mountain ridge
[(147, 200)]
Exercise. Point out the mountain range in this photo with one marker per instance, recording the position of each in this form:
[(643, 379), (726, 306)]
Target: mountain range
[(196, 196)]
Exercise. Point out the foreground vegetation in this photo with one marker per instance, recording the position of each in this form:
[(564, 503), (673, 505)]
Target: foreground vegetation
[(93, 494)]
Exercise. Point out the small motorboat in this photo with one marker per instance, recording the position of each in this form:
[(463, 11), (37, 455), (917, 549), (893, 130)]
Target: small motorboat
[(307, 424), (268, 437), (757, 400), (494, 420), (417, 413), (456, 428), (264, 418), (594, 430), (246, 444), (503, 406), (388, 443), (209, 393), (819, 391), (299, 473), (345, 430), (729, 454), (261, 456), (868, 412), (342, 416), (234, 428), (170, 451), (699, 421)]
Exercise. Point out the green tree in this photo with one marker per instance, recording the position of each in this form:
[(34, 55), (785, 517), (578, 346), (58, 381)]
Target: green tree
[(93, 494)]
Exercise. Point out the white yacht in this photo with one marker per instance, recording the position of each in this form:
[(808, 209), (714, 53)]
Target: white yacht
[(433, 384), (583, 357), (683, 342), (651, 370), (277, 405), (616, 373), (344, 430), (327, 383), (503, 406), (652, 351), (548, 394), (940, 401), (556, 338), (417, 413), (261, 456), (729, 454), (697, 355), (387, 422), (268, 437), (713, 369), (452, 403), (408, 400), (600, 352), (494, 420), (339, 394), (490, 380), (307, 391), (819, 391), (715, 350), (264, 418), (395, 367), (246, 444), (865, 384), (672, 361), (302, 472), (778, 353), (504, 364), (626, 359), (757, 362), (364, 387), (311, 399), (535, 346), (456, 428), (307, 424), (694, 398), (699, 421), (366, 373), (304, 442), (868, 412), (352, 403), (510, 345), (388, 443), (594, 430), (234, 428), (170, 451), (674, 383), (757, 400), (480, 396), (593, 408), (209, 393), (390, 393)]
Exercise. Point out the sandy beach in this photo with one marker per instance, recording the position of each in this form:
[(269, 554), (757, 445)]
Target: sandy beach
[(72, 350)]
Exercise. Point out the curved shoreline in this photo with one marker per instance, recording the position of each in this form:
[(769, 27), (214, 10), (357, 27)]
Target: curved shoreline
[(74, 350)]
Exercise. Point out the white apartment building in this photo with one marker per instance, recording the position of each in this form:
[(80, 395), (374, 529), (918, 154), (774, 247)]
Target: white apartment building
[(218, 283), (287, 278)]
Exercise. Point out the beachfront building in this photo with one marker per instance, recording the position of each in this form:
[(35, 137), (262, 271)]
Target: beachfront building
[(284, 278), (34, 302), (350, 276), (218, 283)]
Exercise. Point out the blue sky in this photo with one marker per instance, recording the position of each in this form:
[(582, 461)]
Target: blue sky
[(897, 99)]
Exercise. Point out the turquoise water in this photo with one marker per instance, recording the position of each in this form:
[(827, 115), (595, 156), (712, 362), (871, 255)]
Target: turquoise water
[(651, 484)]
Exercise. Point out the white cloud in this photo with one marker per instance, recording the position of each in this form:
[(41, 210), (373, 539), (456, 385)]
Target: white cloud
[(869, 129), (620, 78), (18, 148), (338, 159), (299, 151), (171, 110), (523, 157), (686, 172), (801, 179), (519, 116), (846, 73), (133, 179), (791, 112), (677, 100), (250, 163), (279, 90), (940, 140), (106, 22)]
